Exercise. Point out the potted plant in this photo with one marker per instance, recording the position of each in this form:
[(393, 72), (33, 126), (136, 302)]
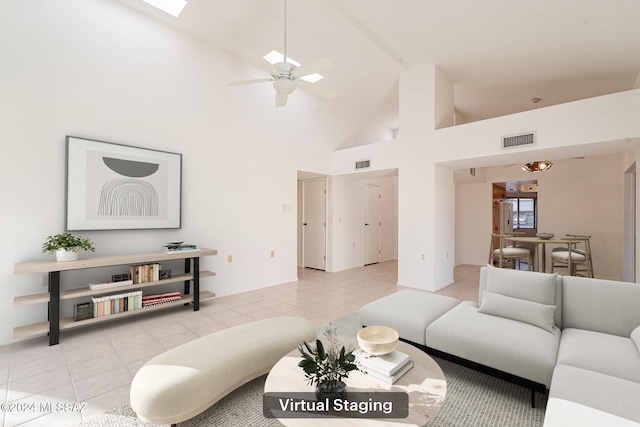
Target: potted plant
[(326, 367), (66, 246)]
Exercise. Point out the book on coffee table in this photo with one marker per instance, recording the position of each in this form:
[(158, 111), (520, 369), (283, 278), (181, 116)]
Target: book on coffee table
[(386, 367), (391, 379), (385, 364)]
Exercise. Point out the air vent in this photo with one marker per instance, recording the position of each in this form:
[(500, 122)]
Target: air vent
[(363, 164), (515, 141)]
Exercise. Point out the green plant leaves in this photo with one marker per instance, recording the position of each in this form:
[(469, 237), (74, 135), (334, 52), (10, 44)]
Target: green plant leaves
[(320, 349), (67, 241), (326, 365)]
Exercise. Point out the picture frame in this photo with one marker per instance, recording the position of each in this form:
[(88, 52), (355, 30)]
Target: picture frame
[(120, 187)]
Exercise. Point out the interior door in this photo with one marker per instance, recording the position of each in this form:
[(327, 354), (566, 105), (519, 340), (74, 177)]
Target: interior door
[(371, 224), (629, 264), (314, 224)]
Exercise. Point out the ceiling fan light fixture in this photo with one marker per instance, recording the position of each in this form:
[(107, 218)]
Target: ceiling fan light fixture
[(275, 57), (284, 86), (538, 166)]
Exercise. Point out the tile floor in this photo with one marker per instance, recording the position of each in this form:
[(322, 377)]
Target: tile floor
[(91, 370)]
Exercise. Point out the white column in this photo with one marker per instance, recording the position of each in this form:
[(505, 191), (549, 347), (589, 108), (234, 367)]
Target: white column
[(426, 191)]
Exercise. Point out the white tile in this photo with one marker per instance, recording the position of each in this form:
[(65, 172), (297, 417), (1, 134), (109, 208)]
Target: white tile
[(96, 385), (94, 365), (38, 384), (104, 402)]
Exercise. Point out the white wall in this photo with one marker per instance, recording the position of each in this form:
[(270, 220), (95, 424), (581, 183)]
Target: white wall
[(99, 70), (473, 222), (559, 128), (586, 196)]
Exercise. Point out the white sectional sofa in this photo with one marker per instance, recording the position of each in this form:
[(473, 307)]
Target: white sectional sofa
[(576, 338)]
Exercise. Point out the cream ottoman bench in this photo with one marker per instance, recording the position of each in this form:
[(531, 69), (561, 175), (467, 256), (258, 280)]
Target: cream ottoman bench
[(185, 381), (408, 311)]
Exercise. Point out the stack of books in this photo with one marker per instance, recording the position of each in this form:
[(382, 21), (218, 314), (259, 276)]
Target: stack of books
[(109, 284), (143, 273), (172, 249), (151, 300), (114, 304), (387, 367)]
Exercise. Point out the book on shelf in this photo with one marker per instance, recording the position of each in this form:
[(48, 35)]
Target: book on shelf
[(118, 303), (385, 364), (109, 284), (144, 273), (152, 300), (170, 249)]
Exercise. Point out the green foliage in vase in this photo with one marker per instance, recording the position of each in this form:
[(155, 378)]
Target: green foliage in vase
[(68, 242), (327, 365)]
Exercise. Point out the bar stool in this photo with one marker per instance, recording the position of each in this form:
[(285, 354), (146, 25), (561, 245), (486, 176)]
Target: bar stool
[(505, 253), (581, 260)]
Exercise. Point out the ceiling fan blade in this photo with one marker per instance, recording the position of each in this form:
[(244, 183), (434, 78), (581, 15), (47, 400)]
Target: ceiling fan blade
[(259, 61), (316, 89), (281, 100), (248, 82), (312, 67)]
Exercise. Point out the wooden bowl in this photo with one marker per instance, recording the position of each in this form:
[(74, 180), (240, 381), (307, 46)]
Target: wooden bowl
[(377, 340)]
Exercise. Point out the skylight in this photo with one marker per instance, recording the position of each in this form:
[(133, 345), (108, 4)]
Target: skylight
[(172, 7), (274, 57)]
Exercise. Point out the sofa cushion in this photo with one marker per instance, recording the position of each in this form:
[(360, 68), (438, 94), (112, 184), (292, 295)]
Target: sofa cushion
[(635, 337), (521, 278), (527, 285), (408, 311), (596, 390), (600, 305), (563, 413), (533, 313), (598, 352), (508, 345)]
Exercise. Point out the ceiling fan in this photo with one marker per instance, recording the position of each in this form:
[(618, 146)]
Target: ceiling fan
[(286, 77)]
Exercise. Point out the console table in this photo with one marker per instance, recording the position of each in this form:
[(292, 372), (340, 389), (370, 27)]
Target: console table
[(55, 324)]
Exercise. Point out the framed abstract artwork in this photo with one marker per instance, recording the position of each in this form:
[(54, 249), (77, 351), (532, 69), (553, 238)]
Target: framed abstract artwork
[(119, 187)]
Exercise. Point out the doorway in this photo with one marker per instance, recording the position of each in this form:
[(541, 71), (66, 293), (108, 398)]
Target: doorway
[(523, 198), (629, 273), (314, 224), (372, 223)]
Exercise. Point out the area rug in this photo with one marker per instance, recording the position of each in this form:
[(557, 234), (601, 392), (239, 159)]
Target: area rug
[(473, 399)]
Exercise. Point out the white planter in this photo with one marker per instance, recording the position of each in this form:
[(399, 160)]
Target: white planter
[(64, 255)]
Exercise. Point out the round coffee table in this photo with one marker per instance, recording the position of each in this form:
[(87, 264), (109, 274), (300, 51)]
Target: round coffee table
[(424, 383)]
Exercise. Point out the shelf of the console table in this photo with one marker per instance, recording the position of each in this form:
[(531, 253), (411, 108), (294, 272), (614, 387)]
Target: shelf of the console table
[(106, 261), (86, 292), (70, 323)]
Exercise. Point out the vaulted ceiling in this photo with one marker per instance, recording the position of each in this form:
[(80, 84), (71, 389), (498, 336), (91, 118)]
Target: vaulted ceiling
[(498, 54)]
